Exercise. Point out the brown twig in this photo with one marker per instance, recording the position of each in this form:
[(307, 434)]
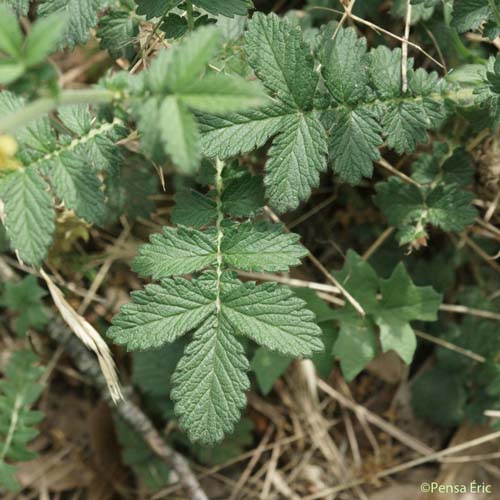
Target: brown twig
[(384, 163)]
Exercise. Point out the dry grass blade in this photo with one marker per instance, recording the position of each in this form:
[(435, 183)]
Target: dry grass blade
[(459, 309), (88, 335), (379, 422), (451, 347)]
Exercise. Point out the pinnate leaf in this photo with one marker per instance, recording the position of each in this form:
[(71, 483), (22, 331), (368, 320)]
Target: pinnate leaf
[(210, 382), (273, 317), (296, 158), (261, 247), (354, 145), (176, 251), (162, 313), (29, 215)]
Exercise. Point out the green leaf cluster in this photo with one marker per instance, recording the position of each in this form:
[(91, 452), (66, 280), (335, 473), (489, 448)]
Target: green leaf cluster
[(390, 304), (68, 166), (210, 380), (175, 85), (19, 390), (436, 198), (341, 115)]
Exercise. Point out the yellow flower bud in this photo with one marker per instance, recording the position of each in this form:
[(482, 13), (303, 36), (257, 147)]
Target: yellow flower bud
[(8, 149)]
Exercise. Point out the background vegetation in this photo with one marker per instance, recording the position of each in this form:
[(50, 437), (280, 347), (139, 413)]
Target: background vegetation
[(303, 199)]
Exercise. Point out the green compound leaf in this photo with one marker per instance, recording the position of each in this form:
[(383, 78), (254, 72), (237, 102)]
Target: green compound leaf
[(18, 392), (261, 247), (210, 382), (176, 251), (71, 162), (273, 317), (364, 107), (162, 313), (29, 215)]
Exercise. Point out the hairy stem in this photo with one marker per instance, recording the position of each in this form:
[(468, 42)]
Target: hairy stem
[(14, 418), (102, 129), (189, 15), (45, 105), (219, 188)]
